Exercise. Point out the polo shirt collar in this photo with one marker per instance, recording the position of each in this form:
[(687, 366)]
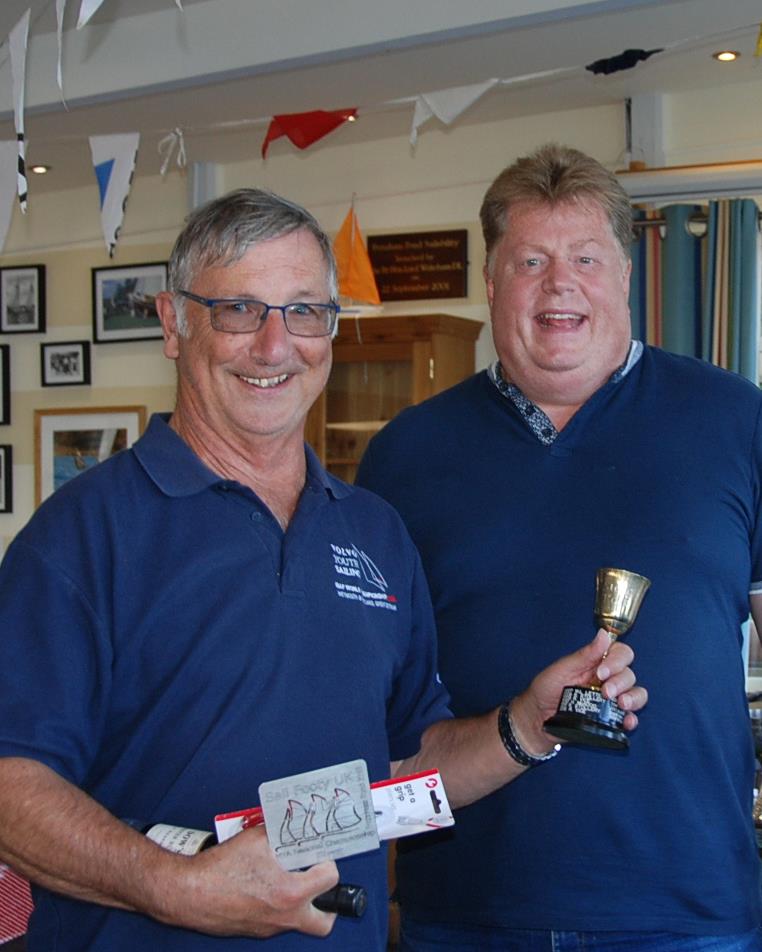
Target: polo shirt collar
[(176, 470)]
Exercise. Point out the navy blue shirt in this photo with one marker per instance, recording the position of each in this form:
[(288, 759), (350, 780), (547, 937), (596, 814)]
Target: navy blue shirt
[(659, 472), (166, 647)]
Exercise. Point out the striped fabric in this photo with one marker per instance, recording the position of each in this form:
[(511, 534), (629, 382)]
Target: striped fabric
[(696, 290), (15, 905)]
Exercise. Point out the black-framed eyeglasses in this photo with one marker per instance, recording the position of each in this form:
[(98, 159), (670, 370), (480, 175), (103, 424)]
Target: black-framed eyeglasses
[(246, 316)]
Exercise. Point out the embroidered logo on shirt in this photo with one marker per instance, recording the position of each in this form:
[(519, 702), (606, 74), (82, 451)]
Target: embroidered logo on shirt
[(360, 578)]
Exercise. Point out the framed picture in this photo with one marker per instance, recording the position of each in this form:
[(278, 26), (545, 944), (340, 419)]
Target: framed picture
[(124, 302), (67, 442), (5, 384), (6, 478), (22, 299), (65, 364)]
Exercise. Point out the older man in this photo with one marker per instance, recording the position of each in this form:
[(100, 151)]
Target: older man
[(581, 449), (174, 632)]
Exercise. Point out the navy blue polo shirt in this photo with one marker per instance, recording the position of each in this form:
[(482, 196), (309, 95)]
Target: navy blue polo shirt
[(167, 647)]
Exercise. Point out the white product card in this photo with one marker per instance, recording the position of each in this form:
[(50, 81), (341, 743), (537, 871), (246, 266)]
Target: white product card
[(321, 814)]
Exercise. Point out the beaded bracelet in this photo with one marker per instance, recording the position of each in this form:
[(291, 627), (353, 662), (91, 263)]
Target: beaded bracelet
[(511, 744)]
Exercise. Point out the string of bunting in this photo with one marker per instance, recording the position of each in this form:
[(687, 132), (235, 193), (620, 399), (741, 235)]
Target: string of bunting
[(302, 129)]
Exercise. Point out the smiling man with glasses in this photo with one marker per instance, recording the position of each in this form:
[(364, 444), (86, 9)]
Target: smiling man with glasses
[(210, 610)]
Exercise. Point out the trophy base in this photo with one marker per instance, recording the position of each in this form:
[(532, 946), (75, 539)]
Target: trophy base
[(584, 716)]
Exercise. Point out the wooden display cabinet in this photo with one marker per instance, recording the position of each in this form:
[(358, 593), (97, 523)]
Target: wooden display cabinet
[(380, 366)]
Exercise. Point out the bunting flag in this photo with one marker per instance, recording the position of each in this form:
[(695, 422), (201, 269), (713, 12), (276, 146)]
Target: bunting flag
[(8, 163), (625, 60), (304, 128), (356, 278), (86, 10), (447, 104), (60, 10), (114, 162), (17, 41)]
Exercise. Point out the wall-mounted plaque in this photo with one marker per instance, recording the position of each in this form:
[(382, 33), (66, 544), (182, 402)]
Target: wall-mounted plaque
[(416, 265)]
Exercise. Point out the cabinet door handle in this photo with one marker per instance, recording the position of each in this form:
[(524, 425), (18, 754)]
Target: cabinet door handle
[(431, 368)]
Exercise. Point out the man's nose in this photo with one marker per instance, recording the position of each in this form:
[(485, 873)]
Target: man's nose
[(271, 341), (559, 276)]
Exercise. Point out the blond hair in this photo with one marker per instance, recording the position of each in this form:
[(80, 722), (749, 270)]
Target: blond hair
[(550, 175)]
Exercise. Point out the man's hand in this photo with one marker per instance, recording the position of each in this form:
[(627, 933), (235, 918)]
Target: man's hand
[(600, 661), (239, 888)]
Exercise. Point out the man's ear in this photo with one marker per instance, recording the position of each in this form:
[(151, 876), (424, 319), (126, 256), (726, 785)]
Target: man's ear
[(490, 286), (165, 308)]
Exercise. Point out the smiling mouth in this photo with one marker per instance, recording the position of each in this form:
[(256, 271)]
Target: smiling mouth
[(265, 383), (553, 319)]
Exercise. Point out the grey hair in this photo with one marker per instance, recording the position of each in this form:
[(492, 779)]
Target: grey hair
[(222, 230), (550, 175)]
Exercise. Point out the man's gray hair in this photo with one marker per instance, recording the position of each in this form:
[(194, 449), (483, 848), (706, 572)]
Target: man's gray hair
[(221, 231)]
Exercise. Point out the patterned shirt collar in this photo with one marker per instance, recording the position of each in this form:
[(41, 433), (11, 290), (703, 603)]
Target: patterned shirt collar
[(536, 419)]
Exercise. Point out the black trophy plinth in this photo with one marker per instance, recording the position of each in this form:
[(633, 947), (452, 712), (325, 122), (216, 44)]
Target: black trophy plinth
[(585, 716)]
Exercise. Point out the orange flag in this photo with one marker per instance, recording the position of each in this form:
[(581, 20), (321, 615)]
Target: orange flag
[(356, 279)]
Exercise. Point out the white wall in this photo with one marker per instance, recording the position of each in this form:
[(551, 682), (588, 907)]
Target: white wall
[(439, 185)]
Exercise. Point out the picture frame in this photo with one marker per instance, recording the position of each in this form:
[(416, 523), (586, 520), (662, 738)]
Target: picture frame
[(72, 440), (22, 299), (6, 478), (65, 363), (124, 302), (5, 384)]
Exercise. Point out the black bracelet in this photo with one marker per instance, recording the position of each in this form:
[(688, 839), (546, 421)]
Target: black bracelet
[(514, 748)]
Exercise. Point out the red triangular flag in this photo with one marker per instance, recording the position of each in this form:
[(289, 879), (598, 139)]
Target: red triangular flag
[(356, 278), (304, 128)]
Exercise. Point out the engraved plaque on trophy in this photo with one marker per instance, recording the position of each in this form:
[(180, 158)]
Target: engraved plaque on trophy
[(584, 715)]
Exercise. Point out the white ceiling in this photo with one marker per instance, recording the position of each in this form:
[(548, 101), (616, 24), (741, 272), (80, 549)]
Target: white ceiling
[(220, 68)]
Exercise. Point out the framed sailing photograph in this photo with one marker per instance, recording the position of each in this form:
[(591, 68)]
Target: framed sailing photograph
[(68, 442), (124, 302), (22, 299)]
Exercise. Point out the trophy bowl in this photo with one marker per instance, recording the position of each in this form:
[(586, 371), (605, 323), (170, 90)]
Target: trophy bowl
[(584, 715)]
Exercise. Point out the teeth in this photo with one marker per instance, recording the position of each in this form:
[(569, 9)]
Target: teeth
[(549, 318), (265, 382)]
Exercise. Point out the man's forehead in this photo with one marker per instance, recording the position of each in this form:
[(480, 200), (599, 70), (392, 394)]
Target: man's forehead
[(528, 222)]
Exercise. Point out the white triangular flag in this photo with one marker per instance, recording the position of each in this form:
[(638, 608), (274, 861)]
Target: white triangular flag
[(17, 40), (114, 162), (446, 104), (60, 10), (86, 9), (8, 162)]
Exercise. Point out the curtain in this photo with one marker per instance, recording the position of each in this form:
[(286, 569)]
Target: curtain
[(699, 294)]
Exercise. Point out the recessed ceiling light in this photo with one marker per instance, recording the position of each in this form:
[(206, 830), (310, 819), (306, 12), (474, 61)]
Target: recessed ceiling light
[(39, 169), (726, 56)]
